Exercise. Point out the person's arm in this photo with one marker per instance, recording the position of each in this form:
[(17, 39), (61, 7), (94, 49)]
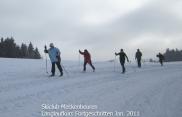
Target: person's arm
[(58, 55), (127, 57), (45, 49), (81, 52), (117, 53), (58, 52)]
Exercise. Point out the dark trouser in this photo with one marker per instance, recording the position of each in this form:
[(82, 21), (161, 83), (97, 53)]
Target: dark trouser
[(59, 67), (85, 63), (161, 62), (139, 62), (123, 67)]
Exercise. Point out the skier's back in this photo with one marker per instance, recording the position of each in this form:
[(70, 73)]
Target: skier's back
[(138, 56)]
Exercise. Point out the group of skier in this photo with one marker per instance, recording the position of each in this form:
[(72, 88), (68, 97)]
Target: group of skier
[(54, 55), (122, 56)]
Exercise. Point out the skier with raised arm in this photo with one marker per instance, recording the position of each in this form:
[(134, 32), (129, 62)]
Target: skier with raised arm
[(122, 56), (87, 59)]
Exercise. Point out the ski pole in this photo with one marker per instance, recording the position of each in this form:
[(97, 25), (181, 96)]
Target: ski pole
[(46, 58), (79, 60), (46, 63), (115, 63), (79, 64), (65, 70)]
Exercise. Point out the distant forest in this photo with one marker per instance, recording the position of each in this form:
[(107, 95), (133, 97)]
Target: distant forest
[(9, 49), (173, 55)]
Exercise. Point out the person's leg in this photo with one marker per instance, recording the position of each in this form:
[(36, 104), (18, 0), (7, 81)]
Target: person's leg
[(123, 67), (124, 70), (92, 66), (60, 68), (161, 62), (139, 63), (53, 68), (84, 66)]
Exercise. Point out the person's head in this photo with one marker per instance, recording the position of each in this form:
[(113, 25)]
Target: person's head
[(121, 50), (138, 50), (51, 45), (85, 50)]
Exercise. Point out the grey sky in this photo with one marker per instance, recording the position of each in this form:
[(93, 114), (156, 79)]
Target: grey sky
[(101, 26)]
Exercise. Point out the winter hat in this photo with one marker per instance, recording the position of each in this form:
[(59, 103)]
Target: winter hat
[(51, 45)]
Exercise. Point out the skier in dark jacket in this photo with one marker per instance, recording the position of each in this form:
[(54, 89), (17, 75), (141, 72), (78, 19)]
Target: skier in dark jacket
[(55, 58), (161, 58), (138, 57), (87, 59), (122, 57)]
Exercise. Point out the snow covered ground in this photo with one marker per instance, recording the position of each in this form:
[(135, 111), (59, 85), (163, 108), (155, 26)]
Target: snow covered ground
[(152, 91)]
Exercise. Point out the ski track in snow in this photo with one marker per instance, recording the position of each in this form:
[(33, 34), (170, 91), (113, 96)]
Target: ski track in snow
[(153, 90)]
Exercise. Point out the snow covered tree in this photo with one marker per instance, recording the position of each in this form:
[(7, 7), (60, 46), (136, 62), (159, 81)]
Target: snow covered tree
[(37, 54), (30, 50), (9, 49), (24, 50), (173, 55)]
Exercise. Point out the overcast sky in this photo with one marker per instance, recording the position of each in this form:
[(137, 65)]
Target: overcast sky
[(101, 26)]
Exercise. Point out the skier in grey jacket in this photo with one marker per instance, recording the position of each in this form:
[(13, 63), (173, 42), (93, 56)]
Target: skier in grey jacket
[(54, 55), (122, 56), (138, 57)]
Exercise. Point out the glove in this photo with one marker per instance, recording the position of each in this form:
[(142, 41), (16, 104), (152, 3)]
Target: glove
[(45, 49)]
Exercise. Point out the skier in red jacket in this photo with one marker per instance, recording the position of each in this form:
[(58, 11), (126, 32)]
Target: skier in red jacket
[(87, 59)]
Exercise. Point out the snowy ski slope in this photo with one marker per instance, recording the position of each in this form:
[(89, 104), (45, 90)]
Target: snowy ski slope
[(153, 91)]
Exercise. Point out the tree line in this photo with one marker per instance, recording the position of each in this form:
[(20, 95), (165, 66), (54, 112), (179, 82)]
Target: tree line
[(9, 49), (173, 55)]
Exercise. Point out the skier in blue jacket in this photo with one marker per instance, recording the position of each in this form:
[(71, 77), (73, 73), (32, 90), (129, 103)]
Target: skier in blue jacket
[(54, 55)]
